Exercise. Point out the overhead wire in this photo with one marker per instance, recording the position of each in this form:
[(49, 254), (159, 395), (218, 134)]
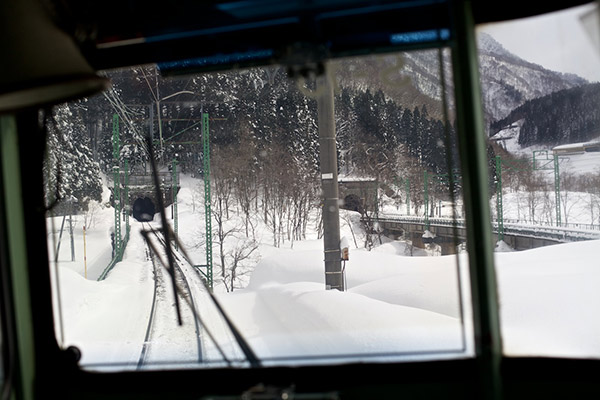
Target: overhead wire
[(126, 116)]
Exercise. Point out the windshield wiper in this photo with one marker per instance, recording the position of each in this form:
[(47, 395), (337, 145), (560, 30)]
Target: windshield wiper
[(169, 235)]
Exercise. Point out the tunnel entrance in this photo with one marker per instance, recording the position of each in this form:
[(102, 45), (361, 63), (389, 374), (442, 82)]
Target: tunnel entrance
[(143, 209), (353, 203)]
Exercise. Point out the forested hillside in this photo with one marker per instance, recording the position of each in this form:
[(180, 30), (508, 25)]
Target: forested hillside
[(261, 119), (565, 116), (390, 121)]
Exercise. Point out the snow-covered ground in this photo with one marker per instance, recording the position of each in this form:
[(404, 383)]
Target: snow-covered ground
[(396, 306)]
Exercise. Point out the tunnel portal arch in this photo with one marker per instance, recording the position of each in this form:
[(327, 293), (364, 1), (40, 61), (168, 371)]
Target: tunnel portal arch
[(143, 209), (353, 202)]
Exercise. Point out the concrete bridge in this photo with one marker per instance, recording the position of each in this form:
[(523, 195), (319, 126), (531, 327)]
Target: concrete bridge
[(449, 233)]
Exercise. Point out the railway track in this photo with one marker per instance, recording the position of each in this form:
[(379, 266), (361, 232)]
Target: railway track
[(160, 338)]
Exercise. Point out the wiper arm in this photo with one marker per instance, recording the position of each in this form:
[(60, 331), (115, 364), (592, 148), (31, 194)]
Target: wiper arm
[(166, 231), (180, 291), (168, 235), (250, 356)]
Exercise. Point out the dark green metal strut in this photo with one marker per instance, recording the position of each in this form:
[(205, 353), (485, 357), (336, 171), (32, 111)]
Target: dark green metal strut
[(499, 205), (473, 157), (117, 186), (550, 163), (127, 205), (207, 198), (174, 199)]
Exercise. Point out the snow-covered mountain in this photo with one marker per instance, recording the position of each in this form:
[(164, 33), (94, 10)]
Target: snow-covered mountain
[(413, 78), (507, 81)]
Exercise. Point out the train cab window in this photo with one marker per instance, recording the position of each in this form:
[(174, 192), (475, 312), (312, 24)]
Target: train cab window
[(541, 95), (400, 193), (317, 251)]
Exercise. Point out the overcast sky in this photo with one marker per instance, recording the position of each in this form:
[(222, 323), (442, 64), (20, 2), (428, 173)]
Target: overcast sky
[(556, 41)]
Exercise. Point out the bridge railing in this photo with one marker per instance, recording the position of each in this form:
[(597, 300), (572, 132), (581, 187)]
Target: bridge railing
[(564, 234), (571, 233), (419, 220), (589, 227)]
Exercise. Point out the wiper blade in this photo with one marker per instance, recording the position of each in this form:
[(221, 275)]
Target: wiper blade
[(168, 235), (145, 234), (166, 231)]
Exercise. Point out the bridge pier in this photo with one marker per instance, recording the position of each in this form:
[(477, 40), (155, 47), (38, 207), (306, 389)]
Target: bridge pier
[(449, 247), (447, 244), (417, 239), (525, 242)]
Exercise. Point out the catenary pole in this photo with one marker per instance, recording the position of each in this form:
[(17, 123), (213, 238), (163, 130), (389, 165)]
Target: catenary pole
[(207, 198), (117, 187)]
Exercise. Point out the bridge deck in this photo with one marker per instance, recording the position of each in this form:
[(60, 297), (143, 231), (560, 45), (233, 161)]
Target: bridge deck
[(518, 236)]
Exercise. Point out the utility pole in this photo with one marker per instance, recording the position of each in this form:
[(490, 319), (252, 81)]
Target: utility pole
[(329, 181)]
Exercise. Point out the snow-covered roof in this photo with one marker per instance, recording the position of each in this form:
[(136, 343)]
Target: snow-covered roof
[(351, 178), (576, 145)]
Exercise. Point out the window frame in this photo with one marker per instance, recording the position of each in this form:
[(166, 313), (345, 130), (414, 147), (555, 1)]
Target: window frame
[(43, 367)]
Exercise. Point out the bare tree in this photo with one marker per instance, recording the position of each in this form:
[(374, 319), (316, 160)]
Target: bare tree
[(89, 215), (222, 190), (533, 183), (567, 185), (197, 195), (238, 258), (548, 209)]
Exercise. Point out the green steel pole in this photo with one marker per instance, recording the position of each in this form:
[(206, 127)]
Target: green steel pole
[(174, 194), (499, 207), (207, 199), (557, 190), (426, 200), (555, 167), (473, 158), (127, 206), (407, 183), (117, 186)]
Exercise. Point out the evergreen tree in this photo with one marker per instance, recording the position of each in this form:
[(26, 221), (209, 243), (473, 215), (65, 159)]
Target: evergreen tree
[(70, 168)]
